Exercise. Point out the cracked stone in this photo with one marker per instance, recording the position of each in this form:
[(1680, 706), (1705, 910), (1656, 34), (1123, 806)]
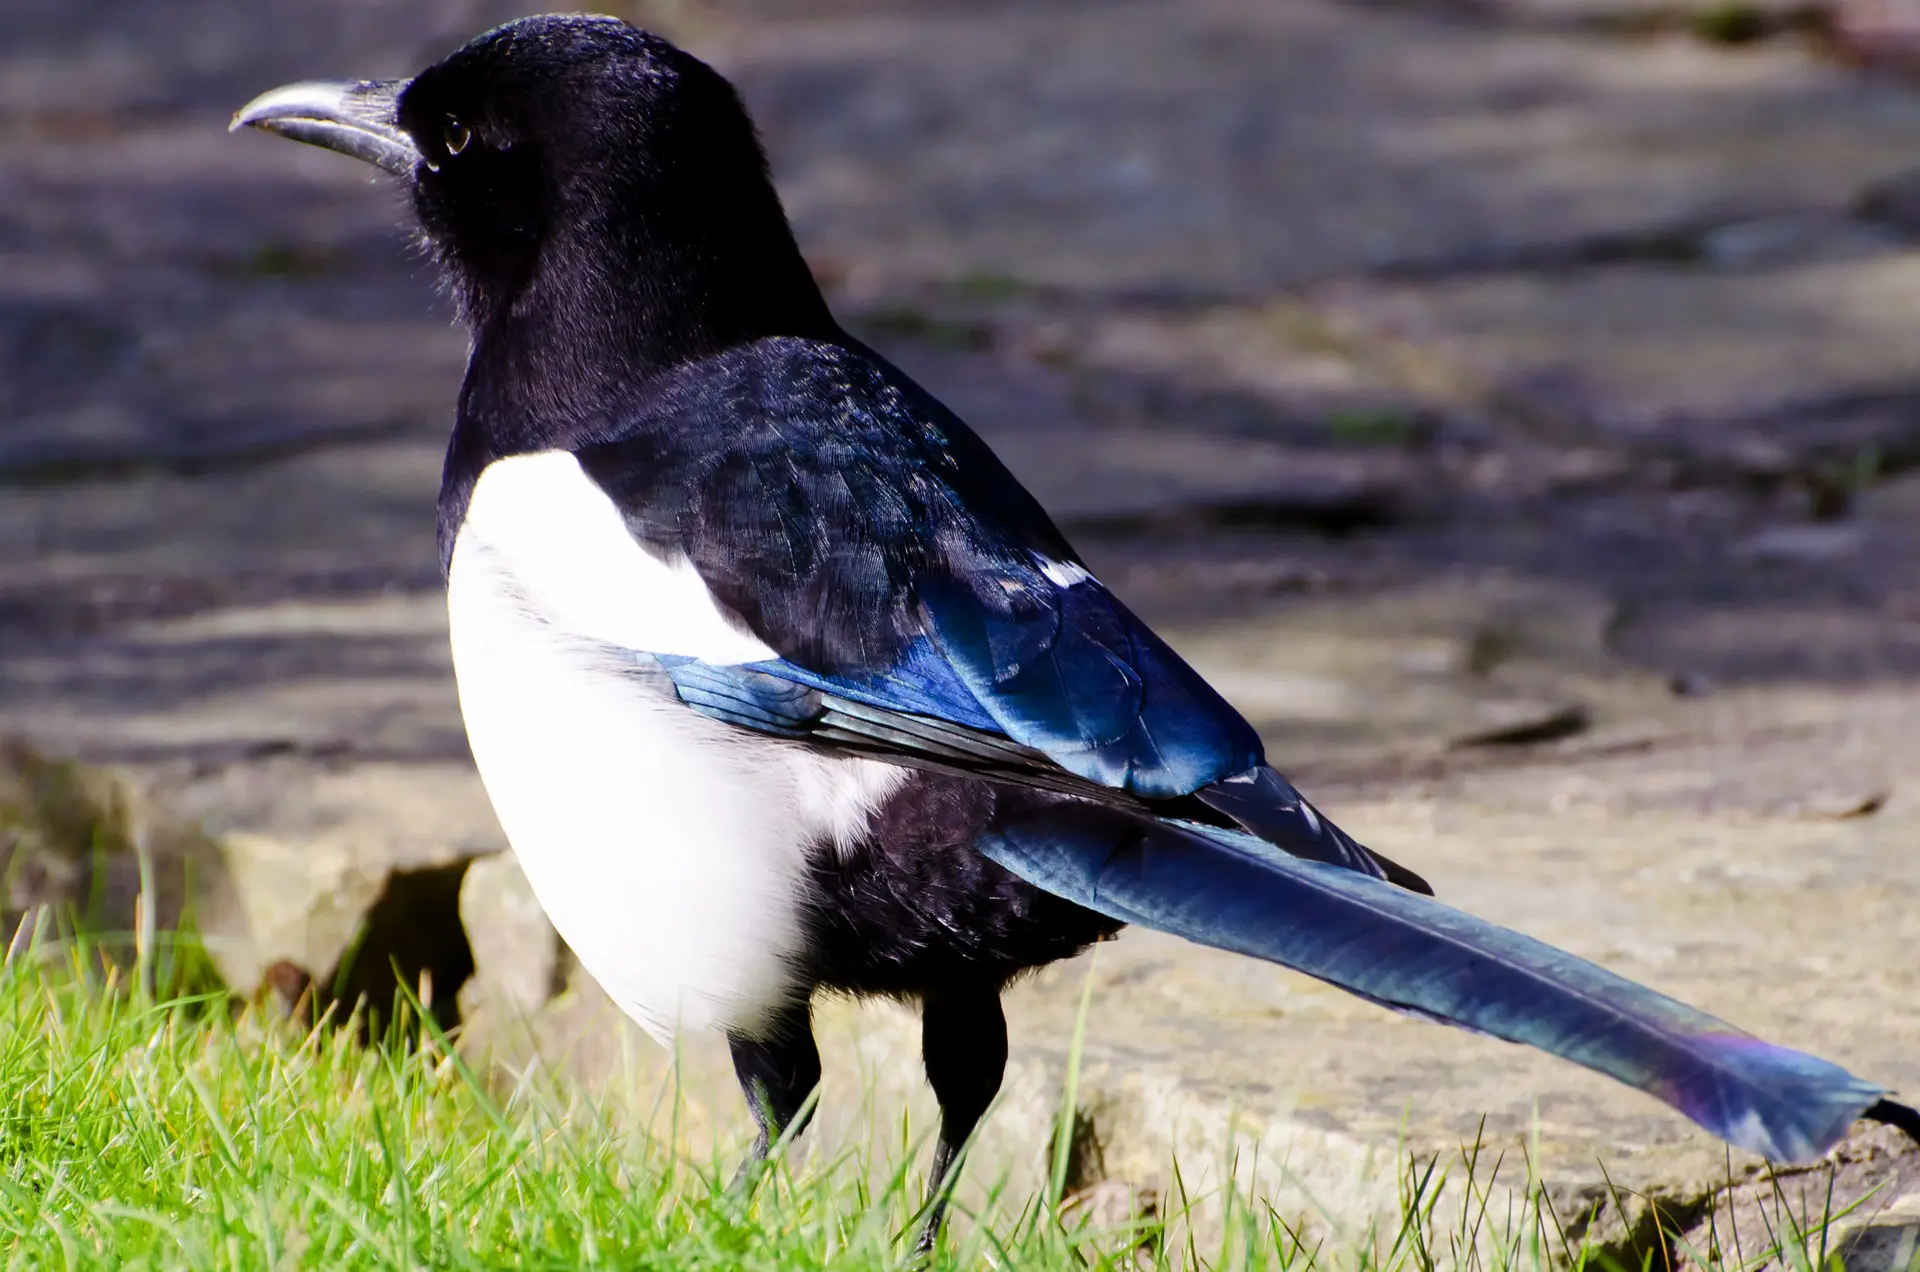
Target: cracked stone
[(520, 962), (1525, 723)]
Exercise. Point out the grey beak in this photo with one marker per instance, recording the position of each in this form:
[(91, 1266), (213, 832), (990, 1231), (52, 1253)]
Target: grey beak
[(355, 118)]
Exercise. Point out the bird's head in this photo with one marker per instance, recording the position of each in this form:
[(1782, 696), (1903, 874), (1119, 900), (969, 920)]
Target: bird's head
[(578, 166)]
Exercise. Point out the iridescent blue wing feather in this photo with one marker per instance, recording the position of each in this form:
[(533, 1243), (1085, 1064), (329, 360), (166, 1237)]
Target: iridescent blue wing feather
[(1062, 666), (776, 699)]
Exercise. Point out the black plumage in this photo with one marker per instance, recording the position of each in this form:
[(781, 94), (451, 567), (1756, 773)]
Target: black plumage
[(913, 907)]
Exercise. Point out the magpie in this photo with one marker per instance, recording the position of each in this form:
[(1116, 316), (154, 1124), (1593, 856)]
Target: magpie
[(780, 683)]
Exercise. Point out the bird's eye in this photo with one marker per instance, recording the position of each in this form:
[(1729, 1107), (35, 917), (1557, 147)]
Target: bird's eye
[(457, 136)]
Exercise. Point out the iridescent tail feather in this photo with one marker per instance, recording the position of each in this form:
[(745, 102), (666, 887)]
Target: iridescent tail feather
[(1409, 952)]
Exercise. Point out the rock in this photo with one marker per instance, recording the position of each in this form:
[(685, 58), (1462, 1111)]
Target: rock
[(1724, 22), (346, 920), (520, 962), (1147, 483), (1750, 638), (91, 848), (409, 940), (1863, 1185), (1418, 670), (1891, 1246), (301, 906), (294, 920)]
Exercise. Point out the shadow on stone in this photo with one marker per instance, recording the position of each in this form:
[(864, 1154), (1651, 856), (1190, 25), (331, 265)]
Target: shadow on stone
[(411, 939), (1653, 1228), (1882, 1247)]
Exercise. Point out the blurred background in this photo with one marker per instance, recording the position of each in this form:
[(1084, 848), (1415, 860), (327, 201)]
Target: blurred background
[(1513, 405)]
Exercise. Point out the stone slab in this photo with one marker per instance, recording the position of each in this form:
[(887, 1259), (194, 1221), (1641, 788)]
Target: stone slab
[(1770, 370), (1235, 147)]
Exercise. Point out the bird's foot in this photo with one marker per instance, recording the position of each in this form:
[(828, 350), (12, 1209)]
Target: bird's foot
[(930, 1226), (747, 1178)]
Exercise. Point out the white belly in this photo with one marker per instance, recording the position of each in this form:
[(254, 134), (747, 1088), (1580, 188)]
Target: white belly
[(669, 849)]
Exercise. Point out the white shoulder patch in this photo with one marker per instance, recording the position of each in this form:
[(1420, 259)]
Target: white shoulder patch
[(561, 542), (1062, 573)]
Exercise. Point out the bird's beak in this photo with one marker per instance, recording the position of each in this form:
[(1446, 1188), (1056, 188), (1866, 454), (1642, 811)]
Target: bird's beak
[(355, 118)]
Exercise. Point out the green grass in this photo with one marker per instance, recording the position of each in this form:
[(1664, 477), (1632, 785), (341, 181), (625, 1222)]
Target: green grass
[(194, 1132)]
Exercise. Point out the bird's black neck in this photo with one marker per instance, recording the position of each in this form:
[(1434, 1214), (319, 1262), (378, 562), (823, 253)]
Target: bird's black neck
[(560, 358), (613, 304)]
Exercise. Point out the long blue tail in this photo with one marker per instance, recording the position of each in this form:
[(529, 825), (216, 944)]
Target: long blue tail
[(1403, 950)]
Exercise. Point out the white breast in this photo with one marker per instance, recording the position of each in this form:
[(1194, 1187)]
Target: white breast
[(668, 848)]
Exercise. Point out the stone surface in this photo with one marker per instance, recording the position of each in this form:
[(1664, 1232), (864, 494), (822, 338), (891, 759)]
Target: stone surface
[(1233, 147), (83, 849), (1428, 373), (1870, 1183), (520, 962), (79, 847), (1780, 367)]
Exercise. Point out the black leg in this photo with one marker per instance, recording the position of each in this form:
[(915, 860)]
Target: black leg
[(777, 1073), (963, 1039)]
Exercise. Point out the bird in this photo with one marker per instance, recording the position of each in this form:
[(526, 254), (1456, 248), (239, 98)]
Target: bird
[(781, 684)]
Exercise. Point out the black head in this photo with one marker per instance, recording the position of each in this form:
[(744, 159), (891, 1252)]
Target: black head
[(584, 185)]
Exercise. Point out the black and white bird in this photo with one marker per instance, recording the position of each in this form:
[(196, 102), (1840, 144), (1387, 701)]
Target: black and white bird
[(779, 682)]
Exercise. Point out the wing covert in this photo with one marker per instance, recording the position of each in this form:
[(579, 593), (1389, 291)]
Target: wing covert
[(1066, 669)]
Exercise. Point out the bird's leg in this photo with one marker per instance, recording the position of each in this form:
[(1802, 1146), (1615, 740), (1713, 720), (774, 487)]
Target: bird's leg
[(777, 1072), (963, 1040)]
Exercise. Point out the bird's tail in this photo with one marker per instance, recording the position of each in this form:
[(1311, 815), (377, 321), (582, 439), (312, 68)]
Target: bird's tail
[(1409, 952)]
